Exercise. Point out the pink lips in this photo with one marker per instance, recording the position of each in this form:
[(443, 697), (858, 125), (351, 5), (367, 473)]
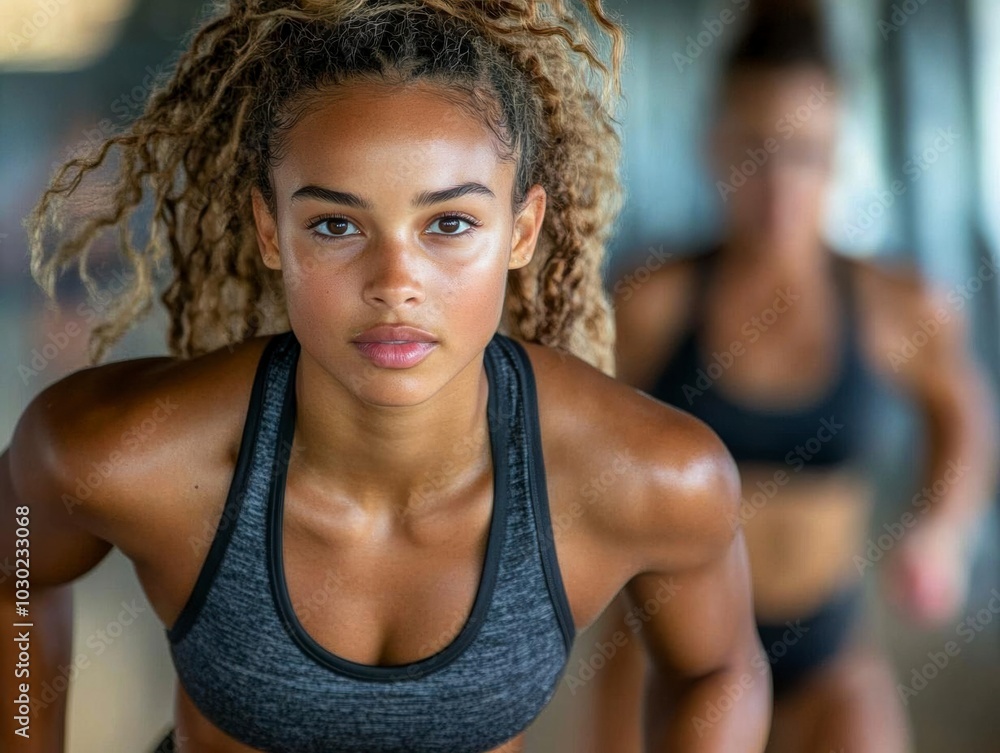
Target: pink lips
[(395, 346)]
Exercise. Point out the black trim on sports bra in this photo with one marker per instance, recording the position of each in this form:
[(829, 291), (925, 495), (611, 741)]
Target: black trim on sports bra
[(539, 493), (234, 501), (279, 587)]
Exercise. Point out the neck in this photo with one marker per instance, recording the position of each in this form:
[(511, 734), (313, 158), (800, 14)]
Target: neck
[(799, 260), (395, 458)]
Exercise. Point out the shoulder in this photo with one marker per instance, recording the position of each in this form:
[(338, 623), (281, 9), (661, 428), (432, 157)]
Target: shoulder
[(897, 288), (909, 321), (652, 286), (118, 432), (652, 301), (652, 480)]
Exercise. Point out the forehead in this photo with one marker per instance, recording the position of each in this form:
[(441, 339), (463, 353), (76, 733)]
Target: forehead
[(764, 102), (378, 136)]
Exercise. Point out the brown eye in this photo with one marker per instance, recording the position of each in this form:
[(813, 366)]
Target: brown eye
[(334, 227), (338, 227), (450, 225)]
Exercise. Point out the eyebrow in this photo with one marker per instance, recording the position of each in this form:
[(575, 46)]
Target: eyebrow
[(426, 198), (449, 194)]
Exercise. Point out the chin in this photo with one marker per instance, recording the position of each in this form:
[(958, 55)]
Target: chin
[(392, 388)]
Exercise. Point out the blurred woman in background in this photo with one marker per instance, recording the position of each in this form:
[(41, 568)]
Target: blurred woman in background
[(774, 341), (385, 225)]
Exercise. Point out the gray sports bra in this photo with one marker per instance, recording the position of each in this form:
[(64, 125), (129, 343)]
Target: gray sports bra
[(253, 671)]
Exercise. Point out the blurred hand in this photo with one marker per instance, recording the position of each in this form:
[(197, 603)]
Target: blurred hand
[(926, 576)]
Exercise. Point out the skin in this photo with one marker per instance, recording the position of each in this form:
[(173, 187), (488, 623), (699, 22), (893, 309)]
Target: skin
[(803, 542), (349, 504)]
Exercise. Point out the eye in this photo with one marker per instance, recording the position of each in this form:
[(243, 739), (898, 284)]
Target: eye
[(333, 227), (453, 225)]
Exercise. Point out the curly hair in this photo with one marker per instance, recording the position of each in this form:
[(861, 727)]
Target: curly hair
[(213, 130)]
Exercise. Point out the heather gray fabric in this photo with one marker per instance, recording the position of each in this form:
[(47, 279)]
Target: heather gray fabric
[(249, 666)]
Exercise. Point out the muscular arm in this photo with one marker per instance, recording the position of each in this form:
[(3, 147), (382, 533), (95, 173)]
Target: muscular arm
[(956, 402), (922, 337), (649, 319), (709, 685)]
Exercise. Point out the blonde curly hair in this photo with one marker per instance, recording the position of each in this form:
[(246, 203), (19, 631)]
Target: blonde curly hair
[(212, 131)]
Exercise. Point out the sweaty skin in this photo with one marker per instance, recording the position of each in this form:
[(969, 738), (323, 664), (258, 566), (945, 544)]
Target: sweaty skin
[(367, 436)]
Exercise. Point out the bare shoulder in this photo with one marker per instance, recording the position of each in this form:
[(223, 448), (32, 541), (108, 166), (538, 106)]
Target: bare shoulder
[(105, 438), (907, 319), (666, 485), (888, 282), (652, 307), (899, 291), (651, 285)]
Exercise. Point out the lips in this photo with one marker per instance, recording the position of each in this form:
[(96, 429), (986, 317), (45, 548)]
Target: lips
[(394, 333), (394, 346)]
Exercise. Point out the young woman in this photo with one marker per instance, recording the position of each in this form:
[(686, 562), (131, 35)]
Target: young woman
[(385, 223), (775, 341)]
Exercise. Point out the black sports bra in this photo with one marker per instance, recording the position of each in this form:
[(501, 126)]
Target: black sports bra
[(827, 432)]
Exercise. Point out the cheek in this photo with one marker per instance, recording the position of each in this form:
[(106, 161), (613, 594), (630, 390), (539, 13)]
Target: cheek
[(468, 297), (312, 284)]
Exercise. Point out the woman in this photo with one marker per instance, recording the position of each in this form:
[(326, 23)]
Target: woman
[(775, 341), (362, 559)]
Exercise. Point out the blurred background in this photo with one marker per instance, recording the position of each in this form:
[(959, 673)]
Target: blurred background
[(74, 71)]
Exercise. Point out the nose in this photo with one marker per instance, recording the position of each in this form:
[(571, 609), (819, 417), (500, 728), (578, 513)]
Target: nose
[(393, 275)]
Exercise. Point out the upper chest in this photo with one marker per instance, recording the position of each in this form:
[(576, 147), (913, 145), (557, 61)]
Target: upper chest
[(336, 608)]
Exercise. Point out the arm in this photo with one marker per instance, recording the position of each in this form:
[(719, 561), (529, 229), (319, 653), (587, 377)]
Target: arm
[(57, 550), (927, 574), (648, 318), (709, 685)]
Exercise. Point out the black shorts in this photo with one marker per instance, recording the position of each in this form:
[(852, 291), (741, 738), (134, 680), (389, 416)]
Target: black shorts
[(795, 648)]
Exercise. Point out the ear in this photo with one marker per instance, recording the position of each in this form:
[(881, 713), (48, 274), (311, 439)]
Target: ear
[(266, 229), (527, 227)]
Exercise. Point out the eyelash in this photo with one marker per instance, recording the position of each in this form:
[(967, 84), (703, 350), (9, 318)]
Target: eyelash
[(316, 222)]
